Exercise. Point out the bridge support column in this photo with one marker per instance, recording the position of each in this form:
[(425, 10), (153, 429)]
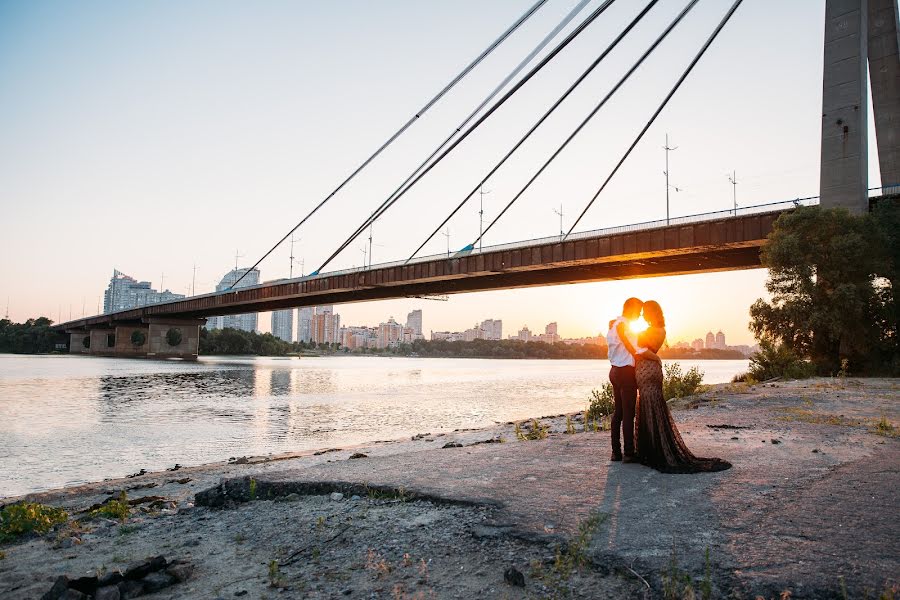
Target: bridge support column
[(77, 341), (103, 342), (844, 165), (174, 338), (884, 71), (132, 340)]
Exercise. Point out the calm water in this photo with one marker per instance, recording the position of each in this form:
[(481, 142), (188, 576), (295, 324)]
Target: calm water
[(70, 419)]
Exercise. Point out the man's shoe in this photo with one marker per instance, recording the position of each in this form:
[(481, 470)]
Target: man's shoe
[(616, 457), (629, 458)]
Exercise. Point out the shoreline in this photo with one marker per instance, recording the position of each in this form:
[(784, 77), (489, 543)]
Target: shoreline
[(458, 514)]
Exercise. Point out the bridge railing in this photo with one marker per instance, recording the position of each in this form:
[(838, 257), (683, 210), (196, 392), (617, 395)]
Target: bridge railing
[(646, 225)]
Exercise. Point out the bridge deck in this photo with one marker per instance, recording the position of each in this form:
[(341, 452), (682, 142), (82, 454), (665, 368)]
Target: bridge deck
[(718, 244)]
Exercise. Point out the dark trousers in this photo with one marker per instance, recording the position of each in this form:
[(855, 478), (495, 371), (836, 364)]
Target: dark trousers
[(625, 394)]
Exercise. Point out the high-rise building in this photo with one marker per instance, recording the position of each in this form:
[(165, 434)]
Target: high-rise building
[(244, 322), (325, 327), (720, 340), (283, 324), (550, 335), (414, 321), (493, 329), (126, 292), (697, 344), (390, 333), (524, 334), (551, 329), (710, 340), (304, 323)]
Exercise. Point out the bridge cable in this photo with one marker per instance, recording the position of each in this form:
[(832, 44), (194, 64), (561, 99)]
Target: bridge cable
[(662, 105), (589, 117), (395, 197), (484, 54), (536, 125)]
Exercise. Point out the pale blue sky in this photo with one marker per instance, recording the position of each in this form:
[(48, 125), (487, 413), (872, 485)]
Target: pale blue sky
[(151, 136)]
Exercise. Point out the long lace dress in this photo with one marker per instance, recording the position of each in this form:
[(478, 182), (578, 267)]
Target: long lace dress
[(658, 443)]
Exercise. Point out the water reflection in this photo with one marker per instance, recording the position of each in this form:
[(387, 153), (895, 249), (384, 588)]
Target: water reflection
[(75, 419)]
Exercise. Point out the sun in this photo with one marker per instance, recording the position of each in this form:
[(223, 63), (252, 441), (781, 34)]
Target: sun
[(638, 325)]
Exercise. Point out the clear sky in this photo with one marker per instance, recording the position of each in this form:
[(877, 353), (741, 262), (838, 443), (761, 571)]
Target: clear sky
[(151, 137)]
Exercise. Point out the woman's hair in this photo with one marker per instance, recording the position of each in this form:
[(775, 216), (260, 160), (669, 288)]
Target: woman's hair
[(653, 314)]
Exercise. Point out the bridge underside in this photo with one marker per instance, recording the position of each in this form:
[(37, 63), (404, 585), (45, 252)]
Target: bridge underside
[(722, 245)]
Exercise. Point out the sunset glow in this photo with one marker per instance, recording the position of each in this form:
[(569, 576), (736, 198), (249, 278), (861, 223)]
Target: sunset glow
[(638, 325)]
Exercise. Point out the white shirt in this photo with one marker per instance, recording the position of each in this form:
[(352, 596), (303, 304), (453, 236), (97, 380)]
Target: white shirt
[(619, 356)]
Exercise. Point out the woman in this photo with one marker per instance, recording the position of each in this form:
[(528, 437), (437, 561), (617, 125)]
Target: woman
[(658, 443)]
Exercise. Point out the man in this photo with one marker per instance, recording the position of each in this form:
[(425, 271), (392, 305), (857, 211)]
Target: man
[(622, 343)]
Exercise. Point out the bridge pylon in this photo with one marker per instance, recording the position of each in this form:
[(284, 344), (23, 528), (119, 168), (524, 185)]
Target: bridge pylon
[(861, 41)]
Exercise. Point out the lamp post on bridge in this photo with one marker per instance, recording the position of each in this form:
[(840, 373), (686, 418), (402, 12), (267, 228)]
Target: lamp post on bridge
[(733, 179), (668, 149), (560, 213), (481, 194)]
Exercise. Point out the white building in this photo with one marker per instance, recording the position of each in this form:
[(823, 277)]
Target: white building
[(710, 340), (283, 324), (304, 323), (126, 292), (414, 321), (493, 329), (244, 322), (720, 340), (390, 333)]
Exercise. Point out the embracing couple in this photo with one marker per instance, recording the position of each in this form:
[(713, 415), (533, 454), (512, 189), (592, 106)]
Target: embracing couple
[(642, 416)]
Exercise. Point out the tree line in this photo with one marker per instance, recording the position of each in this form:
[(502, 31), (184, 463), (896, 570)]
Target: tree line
[(34, 336)]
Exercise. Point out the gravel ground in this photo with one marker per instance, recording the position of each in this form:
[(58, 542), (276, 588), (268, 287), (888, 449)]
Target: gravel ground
[(809, 507)]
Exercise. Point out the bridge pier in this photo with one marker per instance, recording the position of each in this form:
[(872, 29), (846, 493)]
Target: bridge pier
[(103, 341), (77, 340), (861, 45), (132, 340), (174, 338)]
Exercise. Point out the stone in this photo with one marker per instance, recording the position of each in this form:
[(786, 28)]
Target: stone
[(359, 455), (109, 592), (130, 589), (111, 578), (336, 496), (180, 571), (85, 585), (156, 581), (59, 590), (452, 445), (140, 570), (354, 497), (514, 577)]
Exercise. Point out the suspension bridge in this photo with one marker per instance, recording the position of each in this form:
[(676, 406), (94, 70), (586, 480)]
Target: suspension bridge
[(860, 45)]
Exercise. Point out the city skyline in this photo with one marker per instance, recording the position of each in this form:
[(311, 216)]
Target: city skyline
[(275, 149)]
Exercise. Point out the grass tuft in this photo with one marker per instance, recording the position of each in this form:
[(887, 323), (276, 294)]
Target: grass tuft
[(114, 509)]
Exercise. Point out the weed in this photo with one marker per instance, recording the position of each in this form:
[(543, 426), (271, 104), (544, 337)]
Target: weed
[(127, 529), (745, 378), (809, 416), (570, 428), (378, 565), (2, 555), (677, 584), (320, 523), (29, 517), (586, 422), (677, 384), (537, 431), (843, 587), (114, 509), (239, 538), (569, 558), (845, 368), (885, 428), (706, 584), (602, 403), (399, 494), (275, 578), (252, 489)]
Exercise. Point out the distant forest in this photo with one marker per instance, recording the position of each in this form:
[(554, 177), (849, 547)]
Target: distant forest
[(34, 336)]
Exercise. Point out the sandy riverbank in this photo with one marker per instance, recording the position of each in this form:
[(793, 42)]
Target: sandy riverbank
[(810, 503)]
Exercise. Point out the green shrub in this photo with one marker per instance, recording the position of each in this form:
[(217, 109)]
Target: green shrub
[(173, 336), (677, 384), (114, 509), (29, 517), (138, 338), (601, 403), (778, 361)]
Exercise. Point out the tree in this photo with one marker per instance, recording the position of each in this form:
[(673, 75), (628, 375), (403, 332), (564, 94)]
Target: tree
[(825, 268)]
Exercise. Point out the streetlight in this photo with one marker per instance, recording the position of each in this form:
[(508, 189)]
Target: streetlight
[(481, 194), (446, 234), (733, 179), (668, 149), (560, 213)]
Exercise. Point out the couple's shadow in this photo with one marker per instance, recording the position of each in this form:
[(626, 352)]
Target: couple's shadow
[(650, 518)]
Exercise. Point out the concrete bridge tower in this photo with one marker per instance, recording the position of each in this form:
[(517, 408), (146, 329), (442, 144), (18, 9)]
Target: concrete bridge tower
[(861, 41)]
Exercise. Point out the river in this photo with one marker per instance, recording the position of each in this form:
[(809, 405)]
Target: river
[(66, 420)]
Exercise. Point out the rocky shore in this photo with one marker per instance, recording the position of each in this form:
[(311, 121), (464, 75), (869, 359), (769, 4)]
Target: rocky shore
[(808, 509)]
